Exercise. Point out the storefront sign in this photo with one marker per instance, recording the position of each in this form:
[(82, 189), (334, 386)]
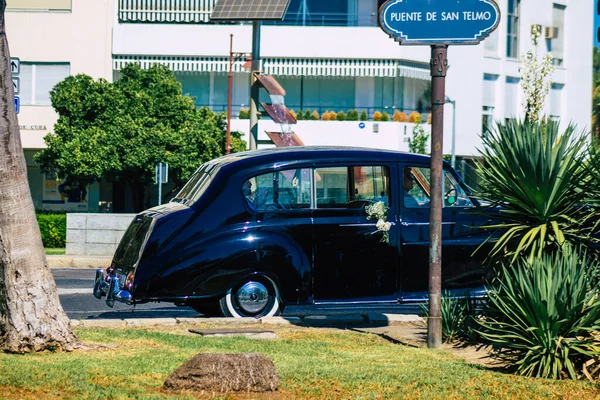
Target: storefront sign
[(33, 127), (434, 22)]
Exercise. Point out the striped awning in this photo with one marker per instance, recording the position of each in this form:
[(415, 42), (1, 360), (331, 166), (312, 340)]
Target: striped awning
[(287, 66)]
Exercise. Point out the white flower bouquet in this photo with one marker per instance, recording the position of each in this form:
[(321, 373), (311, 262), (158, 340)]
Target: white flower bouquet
[(378, 211)]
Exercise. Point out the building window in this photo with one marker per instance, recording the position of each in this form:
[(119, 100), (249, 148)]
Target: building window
[(512, 30), (511, 97), (37, 79), (319, 13), (489, 101), (490, 44), (555, 101), (487, 119), (557, 42)]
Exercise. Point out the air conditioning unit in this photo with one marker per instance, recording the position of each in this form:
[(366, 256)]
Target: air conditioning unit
[(550, 32)]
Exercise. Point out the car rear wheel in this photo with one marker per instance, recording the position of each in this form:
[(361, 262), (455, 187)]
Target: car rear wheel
[(256, 297)]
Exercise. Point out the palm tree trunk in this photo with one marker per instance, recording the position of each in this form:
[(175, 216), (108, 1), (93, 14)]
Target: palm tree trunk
[(31, 317)]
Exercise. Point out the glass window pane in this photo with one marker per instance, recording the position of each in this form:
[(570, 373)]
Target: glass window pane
[(281, 190), (454, 194), (46, 77), (26, 84), (332, 187), (416, 187), (352, 187)]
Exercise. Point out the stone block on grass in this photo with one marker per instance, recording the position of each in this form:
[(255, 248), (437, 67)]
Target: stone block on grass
[(242, 372)]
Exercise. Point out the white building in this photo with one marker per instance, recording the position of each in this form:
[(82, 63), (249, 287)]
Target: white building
[(329, 55)]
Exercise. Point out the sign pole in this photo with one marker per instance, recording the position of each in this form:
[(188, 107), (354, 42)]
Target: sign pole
[(254, 86), (439, 66), (438, 23)]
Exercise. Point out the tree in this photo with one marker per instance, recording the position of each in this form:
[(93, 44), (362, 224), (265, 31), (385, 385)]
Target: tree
[(31, 317), (119, 131)]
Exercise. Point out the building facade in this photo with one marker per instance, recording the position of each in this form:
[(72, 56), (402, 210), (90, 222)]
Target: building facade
[(329, 56)]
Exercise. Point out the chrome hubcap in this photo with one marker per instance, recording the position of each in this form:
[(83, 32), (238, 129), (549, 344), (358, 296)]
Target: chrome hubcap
[(253, 297)]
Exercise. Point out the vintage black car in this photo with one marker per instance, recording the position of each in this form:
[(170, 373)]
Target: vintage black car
[(252, 232)]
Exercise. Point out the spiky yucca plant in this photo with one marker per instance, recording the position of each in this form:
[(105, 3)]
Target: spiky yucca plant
[(536, 175), (543, 317)]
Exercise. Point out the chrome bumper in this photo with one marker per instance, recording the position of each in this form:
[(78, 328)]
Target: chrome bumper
[(108, 285)]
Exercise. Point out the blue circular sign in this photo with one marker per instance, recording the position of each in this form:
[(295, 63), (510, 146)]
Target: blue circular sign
[(361, 125)]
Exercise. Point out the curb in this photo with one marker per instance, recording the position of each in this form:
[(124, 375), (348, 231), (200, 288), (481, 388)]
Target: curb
[(309, 321), (62, 261)]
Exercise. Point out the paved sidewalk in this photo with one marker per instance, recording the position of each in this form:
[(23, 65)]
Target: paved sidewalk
[(65, 261)]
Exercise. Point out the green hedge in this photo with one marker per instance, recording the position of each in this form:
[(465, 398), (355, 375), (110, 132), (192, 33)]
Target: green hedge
[(54, 229)]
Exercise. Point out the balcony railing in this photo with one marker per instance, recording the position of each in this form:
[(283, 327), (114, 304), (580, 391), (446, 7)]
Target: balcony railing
[(198, 11), (169, 11)]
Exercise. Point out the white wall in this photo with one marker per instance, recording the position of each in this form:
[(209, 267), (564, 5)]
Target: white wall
[(376, 135), (81, 37)]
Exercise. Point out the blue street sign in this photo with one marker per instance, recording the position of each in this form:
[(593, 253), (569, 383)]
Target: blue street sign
[(419, 22), (17, 104)]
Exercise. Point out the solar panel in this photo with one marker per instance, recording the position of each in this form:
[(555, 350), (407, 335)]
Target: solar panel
[(245, 10)]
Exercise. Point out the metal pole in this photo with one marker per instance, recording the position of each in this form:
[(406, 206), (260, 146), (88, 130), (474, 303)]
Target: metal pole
[(254, 85), (439, 65), (453, 158), (229, 85), (159, 184)]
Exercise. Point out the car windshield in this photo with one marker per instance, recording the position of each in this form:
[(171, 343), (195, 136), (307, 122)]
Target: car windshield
[(196, 186)]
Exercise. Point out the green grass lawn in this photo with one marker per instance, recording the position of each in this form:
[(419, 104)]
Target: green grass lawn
[(312, 363), (54, 252)]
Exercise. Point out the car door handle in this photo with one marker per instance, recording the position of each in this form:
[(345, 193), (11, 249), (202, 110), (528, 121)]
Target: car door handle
[(424, 223), (366, 224)]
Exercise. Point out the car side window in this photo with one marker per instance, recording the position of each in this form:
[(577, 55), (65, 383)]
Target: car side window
[(351, 186), (279, 190), (454, 194), (416, 184)]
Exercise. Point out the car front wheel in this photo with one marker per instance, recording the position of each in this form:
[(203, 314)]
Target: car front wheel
[(256, 297)]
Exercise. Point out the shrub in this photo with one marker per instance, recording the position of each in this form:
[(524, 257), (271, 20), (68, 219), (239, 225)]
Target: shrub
[(314, 116), (340, 116), (416, 117), (332, 116), (377, 116), (244, 113), (352, 115), (459, 318), (399, 116), (296, 115), (53, 228), (418, 142), (364, 116), (542, 199), (542, 316), (385, 116), (326, 116)]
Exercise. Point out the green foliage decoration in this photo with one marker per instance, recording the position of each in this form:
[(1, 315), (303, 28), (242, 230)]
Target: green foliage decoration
[(53, 227), (364, 116), (352, 115), (340, 116), (120, 130), (537, 175), (385, 116), (418, 142), (543, 317)]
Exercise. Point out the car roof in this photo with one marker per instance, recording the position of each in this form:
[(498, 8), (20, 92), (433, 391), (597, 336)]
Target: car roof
[(248, 159)]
